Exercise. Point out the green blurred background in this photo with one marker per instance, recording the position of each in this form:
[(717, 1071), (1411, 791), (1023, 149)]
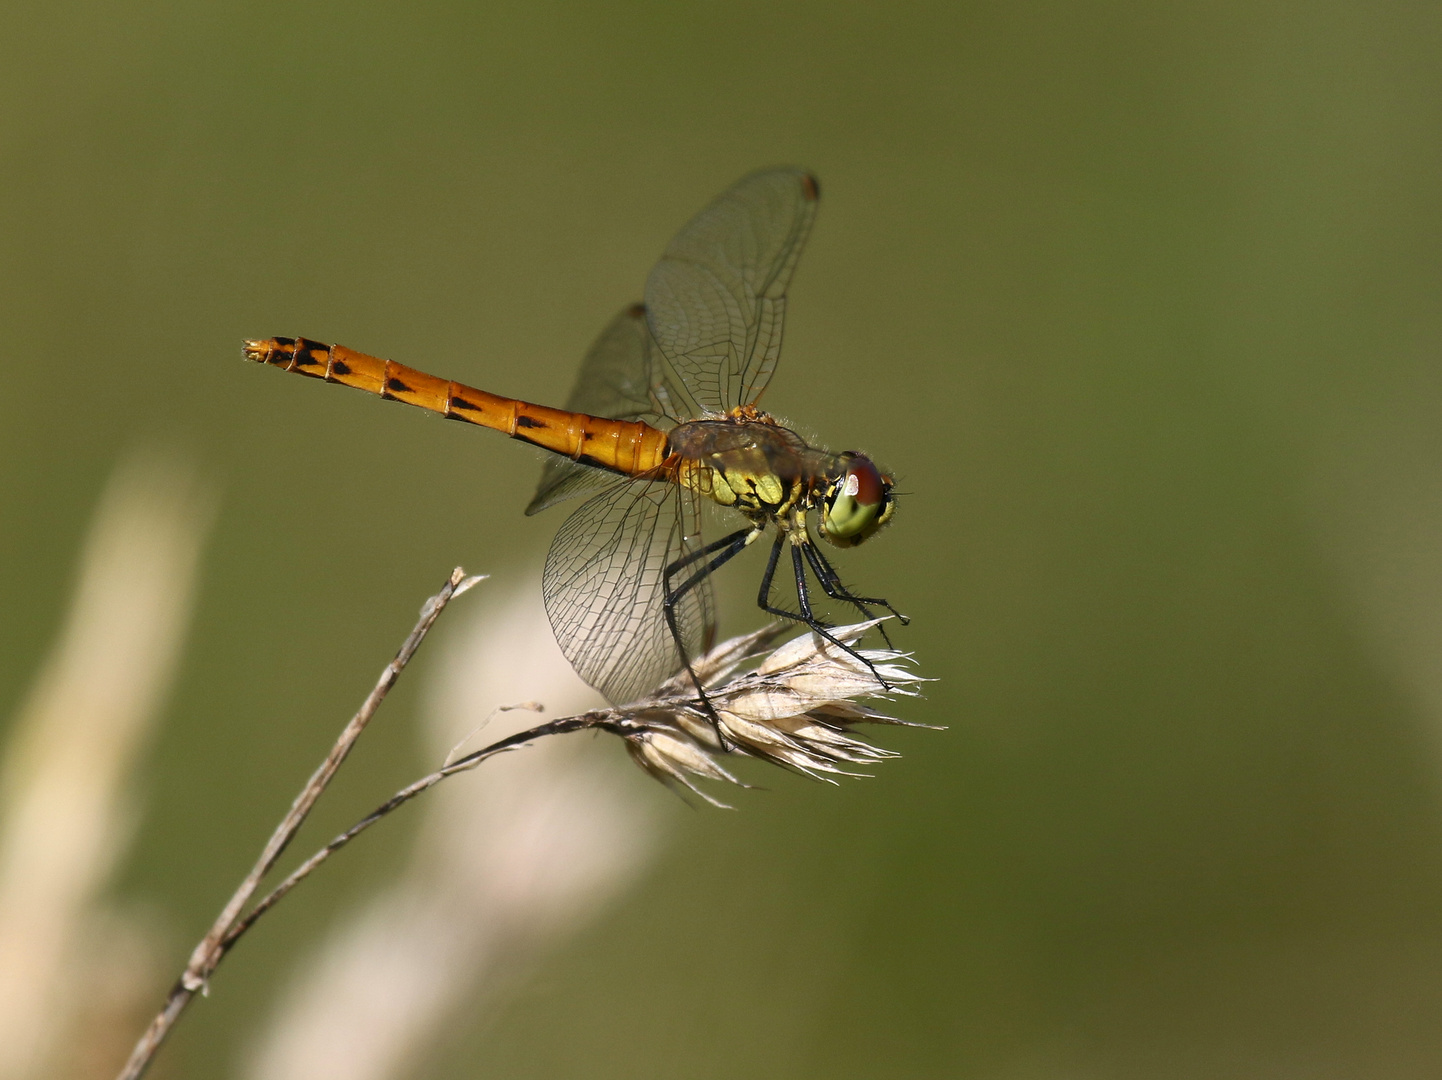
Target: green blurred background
[(1141, 303)]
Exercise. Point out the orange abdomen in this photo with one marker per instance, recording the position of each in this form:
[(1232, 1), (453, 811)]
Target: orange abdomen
[(622, 446)]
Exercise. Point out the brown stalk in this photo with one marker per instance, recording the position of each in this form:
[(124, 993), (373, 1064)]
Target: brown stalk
[(227, 926), (395, 802)]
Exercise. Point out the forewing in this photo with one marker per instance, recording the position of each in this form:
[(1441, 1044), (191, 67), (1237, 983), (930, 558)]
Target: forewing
[(604, 587), (615, 381), (716, 301)]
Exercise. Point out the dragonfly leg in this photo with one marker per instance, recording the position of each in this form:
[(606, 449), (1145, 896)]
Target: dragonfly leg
[(722, 551), (798, 565), (701, 553), (803, 599), (763, 598), (832, 586)]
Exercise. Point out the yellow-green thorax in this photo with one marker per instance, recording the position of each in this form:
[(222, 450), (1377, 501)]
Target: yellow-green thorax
[(754, 465)]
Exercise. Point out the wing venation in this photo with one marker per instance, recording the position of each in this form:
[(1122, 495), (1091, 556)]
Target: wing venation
[(604, 587), (715, 303), (616, 380)]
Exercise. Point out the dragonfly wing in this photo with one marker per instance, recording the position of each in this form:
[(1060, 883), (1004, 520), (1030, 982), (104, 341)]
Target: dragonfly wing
[(716, 301), (562, 479), (615, 381), (604, 587), (615, 377)]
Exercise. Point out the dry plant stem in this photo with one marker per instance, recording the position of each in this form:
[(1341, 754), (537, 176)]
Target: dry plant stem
[(399, 799), (212, 948)]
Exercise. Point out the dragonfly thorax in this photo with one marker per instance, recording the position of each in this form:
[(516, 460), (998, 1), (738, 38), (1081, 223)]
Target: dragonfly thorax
[(768, 472), (754, 465)]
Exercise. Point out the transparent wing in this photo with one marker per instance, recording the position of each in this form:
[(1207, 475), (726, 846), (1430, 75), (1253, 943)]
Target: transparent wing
[(716, 301), (615, 377), (604, 587), (616, 380)]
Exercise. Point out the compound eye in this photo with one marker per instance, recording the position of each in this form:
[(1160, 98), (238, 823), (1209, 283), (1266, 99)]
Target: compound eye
[(855, 504)]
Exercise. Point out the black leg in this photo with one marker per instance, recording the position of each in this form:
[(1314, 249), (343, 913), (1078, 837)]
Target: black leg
[(701, 553), (728, 547), (831, 582), (803, 599), (763, 601), (832, 586), (763, 598), (732, 545)]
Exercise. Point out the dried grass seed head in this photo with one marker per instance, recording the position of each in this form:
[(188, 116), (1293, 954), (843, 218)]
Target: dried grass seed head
[(797, 708)]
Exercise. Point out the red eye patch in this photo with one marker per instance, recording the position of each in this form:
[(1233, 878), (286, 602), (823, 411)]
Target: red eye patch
[(863, 482)]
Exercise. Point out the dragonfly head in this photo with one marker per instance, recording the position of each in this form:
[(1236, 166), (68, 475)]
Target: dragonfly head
[(857, 502)]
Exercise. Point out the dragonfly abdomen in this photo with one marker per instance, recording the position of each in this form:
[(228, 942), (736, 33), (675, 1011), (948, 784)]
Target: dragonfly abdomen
[(622, 446)]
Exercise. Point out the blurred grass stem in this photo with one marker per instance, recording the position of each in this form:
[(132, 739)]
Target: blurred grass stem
[(213, 947), (67, 805)]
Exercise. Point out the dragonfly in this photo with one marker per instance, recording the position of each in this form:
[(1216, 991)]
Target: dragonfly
[(663, 419)]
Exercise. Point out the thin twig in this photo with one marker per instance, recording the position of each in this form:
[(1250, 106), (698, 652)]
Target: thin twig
[(212, 948), (399, 799)]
